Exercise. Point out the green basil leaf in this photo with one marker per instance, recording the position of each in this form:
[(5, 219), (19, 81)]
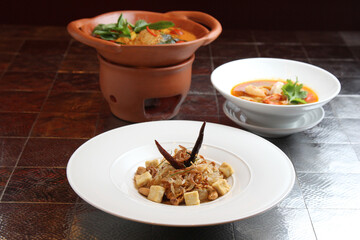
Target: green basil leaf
[(122, 25), (99, 27), (161, 25), (109, 36), (111, 26), (140, 25), (120, 22), (101, 32), (131, 25)]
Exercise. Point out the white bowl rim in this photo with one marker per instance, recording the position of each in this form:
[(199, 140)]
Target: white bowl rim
[(309, 105)]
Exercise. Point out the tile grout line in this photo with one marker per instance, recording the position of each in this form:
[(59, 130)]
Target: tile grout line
[(306, 206), (27, 138), (32, 127), (73, 212)]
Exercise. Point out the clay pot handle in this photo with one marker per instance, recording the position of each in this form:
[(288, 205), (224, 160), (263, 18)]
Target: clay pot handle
[(75, 30), (202, 18)]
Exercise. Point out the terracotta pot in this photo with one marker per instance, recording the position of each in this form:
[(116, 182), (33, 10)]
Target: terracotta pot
[(145, 94), (144, 55)]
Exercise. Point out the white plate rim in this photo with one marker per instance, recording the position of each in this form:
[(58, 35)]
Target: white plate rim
[(274, 132), (73, 173)]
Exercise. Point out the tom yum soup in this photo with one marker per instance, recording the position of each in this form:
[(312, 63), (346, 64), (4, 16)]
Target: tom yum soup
[(276, 92)]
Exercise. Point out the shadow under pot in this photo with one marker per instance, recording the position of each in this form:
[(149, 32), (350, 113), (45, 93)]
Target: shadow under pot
[(138, 94)]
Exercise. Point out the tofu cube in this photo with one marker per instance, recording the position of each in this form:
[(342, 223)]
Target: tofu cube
[(192, 198), (221, 186), (142, 179), (226, 169), (151, 163), (156, 193)]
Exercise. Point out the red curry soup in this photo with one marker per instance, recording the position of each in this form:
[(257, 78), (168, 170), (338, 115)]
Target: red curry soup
[(142, 32), (275, 92)]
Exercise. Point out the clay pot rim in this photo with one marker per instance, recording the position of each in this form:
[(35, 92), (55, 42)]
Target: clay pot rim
[(209, 36), (149, 12), (150, 69)]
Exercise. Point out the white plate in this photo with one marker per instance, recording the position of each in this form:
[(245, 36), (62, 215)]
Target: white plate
[(101, 172), (307, 121)]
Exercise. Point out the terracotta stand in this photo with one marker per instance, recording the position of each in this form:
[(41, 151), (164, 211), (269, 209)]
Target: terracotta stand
[(145, 94)]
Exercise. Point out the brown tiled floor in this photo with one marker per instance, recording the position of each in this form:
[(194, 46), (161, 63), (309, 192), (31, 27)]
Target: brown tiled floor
[(51, 103)]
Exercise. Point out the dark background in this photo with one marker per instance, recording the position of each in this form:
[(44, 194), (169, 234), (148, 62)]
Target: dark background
[(240, 14)]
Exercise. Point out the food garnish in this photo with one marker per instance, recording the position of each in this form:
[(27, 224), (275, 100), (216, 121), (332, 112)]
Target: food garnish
[(293, 91), (179, 179), (113, 31), (185, 163)]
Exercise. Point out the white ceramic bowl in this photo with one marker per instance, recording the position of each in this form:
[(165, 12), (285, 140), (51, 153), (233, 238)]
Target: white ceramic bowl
[(226, 76)]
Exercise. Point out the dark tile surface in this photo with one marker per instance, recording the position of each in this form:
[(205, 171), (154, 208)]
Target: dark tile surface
[(201, 84), (35, 221), (331, 190), (356, 52), (78, 48), (10, 149), (5, 60), (351, 38), (199, 104), (346, 107), (10, 45), (235, 36), (48, 152), (27, 81), (80, 63), (275, 37), (278, 223), (60, 101), (234, 51), (295, 198), (329, 52), (201, 66), (108, 121), (324, 158), (71, 125), (5, 173), (340, 68), (51, 103), (294, 52), (327, 131), (76, 82), (349, 125), (224, 231), (350, 86), (14, 101), (16, 124), (320, 37), (36, 63), (91, 223), (39, 185), (44, 47)]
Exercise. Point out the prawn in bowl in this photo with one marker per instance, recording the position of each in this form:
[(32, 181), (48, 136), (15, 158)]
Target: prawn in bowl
[(323, 83)]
